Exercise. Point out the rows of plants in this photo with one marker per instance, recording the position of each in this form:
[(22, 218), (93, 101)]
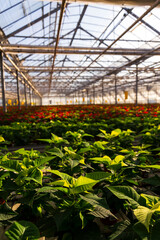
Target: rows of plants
[(98, 177), (99, 186), (78, 112), (25, 126)]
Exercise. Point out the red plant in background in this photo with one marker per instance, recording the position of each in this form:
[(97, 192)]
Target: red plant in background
[(2, 201), (47, 113)]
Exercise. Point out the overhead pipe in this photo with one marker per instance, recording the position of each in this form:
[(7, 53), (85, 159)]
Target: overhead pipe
[(18, 69), (3, 82), (18, 90), (115, 2), (34, 49), (73, 52), (136, 101), (156, 3), (57, 40)]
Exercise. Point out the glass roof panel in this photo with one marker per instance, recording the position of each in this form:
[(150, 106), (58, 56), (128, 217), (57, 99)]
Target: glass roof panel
[(93, 41)]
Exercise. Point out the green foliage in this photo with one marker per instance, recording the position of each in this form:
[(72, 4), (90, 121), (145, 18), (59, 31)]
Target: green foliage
[(144, 214), (23, 230), (6, 213), (82, 180), (1, 139), (123, 231), (127, 193), (147, 215)]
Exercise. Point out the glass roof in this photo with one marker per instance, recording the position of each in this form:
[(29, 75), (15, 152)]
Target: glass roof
[(92, 43)]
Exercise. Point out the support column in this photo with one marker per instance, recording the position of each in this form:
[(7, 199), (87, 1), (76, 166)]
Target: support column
[(136, 102), (115, 90), (30, 95), (35, 99), (3, 83), (93, 94), (75, 94), (102, 92), (18, 92), (147, 88), (87, 95), (40, 101), (25, 95), (77, 98), (83, 97)]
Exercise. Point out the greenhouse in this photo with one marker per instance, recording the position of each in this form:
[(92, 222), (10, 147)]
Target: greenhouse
[(79, 120), (73, 53)]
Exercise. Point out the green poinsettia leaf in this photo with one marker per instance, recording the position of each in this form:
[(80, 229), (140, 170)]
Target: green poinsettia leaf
[(23, 230), (144, 214), (126, 193)]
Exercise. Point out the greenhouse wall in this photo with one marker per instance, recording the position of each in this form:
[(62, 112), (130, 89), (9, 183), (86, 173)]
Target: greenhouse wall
[(146, 94)]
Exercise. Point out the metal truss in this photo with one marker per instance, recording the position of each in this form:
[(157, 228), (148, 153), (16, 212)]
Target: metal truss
[(72, 48)]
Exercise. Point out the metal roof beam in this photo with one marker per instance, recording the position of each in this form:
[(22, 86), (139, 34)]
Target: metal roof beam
[(59, 78), (96, 38), (32, 23), (57, 39), (18, 69), (155, 4), (66, 69), (135, 61), (34, 49), (23, 17), (118, 2), (78, 23), (83, 52), (90, 39), (50, 44), (76, 28), (129, 11), (132, 83), (11, 7)]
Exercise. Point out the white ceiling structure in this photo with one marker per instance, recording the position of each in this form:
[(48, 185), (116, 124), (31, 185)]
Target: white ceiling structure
[(61, 48)]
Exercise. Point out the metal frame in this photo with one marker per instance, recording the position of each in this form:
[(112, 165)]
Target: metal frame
[(57, 64), (18, 91), (3, 83)]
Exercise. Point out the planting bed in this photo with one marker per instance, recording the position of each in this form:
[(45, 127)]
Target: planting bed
[(97, 177)]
